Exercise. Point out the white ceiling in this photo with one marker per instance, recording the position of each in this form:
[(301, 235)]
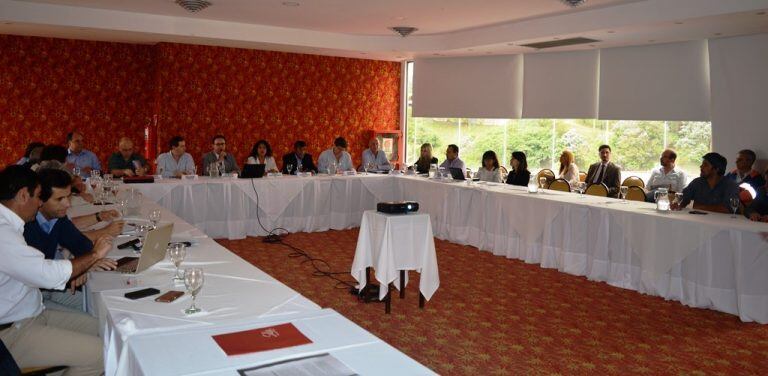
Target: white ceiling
[(358, 28)]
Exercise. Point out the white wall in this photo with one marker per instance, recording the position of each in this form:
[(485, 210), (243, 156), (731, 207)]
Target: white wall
[(739, 91)]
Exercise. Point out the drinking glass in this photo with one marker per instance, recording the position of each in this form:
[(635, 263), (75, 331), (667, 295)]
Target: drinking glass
[(582, 187), (678, 198), (95, 173), (734, 203), (177, 252), (289, 167), (115, 189), (141, 232), (623, 192), (369, 166), (154, 217), (193, 280), (122, 206), (76, 171)]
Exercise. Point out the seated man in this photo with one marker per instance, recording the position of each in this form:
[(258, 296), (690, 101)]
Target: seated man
[(31, 154), (744, 174), (338, 155), (79, 157), (125, 162), (299, 159), (52, 229), (605, 172), (219, 155), (373, 158), (666, 176), (54, 156), (176, 162), (35, 336), (757, 210), (711, 191), (452, 159)]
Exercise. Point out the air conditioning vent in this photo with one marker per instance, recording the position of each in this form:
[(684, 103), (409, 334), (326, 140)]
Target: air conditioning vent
[(560, 43)]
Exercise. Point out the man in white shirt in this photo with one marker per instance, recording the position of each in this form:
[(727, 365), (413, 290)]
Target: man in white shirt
[(373, 158), (338, 155), (35, 336), (452, 159), (177, 162), (666, 176)]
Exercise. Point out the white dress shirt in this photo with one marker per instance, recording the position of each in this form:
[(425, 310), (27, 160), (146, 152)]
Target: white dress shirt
[(325, 159), (269, 163), (571, 174), (675, 178), (168, 166), (455, 163), (380, 160), (24, 271), (488, 175)]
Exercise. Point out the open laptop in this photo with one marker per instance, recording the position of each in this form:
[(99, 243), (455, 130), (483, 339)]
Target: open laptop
[(457, 173), (251, 171), (155, 245)]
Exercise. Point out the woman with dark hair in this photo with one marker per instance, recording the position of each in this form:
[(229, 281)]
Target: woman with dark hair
[(31, 154), (519, 175), (490, 168), (261, 153), (425, 159)]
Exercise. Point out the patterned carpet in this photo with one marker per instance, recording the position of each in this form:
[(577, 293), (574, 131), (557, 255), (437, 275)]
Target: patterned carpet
[(494, 316)]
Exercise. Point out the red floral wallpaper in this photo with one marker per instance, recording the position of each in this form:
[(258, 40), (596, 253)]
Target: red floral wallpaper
[(49, 87), (247, 95)]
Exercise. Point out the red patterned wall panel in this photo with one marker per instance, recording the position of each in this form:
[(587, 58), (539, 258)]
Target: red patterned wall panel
[(281, 97), (51, 86)]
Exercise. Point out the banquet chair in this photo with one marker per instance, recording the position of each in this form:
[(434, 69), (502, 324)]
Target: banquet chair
[(597, 189), (547, 173), (635, 193), (560, 185), (582, 176), (633, 181)]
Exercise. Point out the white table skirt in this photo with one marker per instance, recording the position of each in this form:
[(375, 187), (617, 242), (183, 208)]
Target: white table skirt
[(227, 208), (390, 243), (195, 352)]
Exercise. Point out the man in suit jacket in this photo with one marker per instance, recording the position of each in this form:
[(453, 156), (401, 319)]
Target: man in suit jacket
[(299, 159), (605, 172)]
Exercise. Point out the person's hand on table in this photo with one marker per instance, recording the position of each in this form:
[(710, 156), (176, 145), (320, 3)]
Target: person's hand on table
[(108, 215), (77, 282), (104, 265), (103, 246), (114, 228), (128, 172)]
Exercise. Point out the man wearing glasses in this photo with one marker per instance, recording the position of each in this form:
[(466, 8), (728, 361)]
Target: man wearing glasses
[(220, 156)]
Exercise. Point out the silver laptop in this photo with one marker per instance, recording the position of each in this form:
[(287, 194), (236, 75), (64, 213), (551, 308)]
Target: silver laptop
[(155, 245)]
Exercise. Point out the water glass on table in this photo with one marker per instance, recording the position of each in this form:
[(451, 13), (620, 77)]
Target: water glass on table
[(177, 252), (193, 281), (623, 192), (734, 203), (154, 217)]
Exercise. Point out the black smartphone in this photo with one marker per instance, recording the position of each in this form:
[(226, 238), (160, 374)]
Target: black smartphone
[(698, 212), (128, 244), (138, 294)]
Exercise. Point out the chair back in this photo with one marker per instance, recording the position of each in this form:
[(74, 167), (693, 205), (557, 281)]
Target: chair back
[(582, 176), (597, 189), (633, 181), (503, 170), (635, 193), (547, 173), (560, 185)]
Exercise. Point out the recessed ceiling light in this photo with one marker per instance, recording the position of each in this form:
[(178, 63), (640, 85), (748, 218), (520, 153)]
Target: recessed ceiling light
[(291, 3)]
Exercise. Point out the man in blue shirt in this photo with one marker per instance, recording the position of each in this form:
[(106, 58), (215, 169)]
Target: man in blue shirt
[(79, 157), (176, 162), (711, 191), (52, 229)]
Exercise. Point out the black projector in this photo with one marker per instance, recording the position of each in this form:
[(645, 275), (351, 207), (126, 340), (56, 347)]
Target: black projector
[(401, 207)]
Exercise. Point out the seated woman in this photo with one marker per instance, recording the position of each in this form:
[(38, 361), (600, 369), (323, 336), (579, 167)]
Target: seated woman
[(425, 159), (490, 169), (568, 170), (519, 174), (262, 154)]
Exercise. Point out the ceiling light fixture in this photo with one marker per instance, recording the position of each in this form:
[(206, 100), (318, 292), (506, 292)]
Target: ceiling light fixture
[(404, 31), (574, 3), (194, 6)]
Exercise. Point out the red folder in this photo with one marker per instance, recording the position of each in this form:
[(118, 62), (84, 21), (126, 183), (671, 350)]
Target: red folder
[(262, 339)]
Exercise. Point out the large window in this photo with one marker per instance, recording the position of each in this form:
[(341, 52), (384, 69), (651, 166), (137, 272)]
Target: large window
[(636, 145)]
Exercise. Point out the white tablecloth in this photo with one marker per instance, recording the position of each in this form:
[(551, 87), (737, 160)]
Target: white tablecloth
[(195, 352), (394, 242)]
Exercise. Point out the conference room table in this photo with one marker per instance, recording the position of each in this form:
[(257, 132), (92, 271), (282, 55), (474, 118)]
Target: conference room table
[(708, 261), (235, 294)]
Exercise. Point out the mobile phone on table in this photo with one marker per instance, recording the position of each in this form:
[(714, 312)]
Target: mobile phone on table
[(169, 296), (698, 212), (138, 294)]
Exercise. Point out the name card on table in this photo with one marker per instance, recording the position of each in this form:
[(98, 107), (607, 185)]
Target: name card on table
[(262, 339)]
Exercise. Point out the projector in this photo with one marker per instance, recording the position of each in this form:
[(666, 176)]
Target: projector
[(401, 207)]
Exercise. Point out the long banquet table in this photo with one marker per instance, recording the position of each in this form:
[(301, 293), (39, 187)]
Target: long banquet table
[(708, 261), (236, 296)]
